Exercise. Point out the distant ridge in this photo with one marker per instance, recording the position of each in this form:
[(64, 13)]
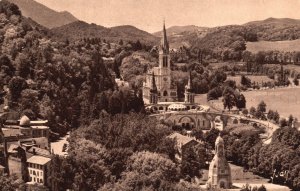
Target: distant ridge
[(42, 14), (80, 29), (175, 30), (271, 20)]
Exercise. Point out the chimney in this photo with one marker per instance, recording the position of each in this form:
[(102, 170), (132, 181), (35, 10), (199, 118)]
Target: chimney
[(33, 151)]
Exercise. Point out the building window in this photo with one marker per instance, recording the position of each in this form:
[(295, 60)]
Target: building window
[(30, 172)]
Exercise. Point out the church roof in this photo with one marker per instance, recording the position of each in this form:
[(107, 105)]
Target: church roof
[(181, 139)]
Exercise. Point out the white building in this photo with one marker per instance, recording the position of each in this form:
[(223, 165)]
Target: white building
[(38, 167)]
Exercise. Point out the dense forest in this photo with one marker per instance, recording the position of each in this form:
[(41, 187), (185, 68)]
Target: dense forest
[(114, 145), (278, 160), (66, 82)]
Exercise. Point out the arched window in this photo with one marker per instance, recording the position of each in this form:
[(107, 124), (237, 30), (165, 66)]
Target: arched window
[(165, 61), (165, 93), (222, 184)]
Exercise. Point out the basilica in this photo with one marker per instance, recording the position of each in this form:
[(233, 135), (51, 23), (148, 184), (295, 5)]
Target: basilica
[(158, 87)]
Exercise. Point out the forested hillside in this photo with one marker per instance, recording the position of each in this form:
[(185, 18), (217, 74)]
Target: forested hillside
[(228, 42), (65, 82), (79, 29)]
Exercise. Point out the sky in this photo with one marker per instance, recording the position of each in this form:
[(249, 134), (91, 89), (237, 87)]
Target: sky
[(148, 15)]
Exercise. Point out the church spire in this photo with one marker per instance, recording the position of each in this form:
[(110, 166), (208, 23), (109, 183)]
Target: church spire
[(164, 41), (189, 96), (189, 85)]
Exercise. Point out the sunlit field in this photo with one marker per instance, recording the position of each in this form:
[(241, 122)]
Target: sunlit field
[(284, 100)]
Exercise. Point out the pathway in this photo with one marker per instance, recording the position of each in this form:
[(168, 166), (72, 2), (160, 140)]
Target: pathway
[(57, 147)]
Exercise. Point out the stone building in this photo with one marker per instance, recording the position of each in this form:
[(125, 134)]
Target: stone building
[(219, 174), (160, 77)]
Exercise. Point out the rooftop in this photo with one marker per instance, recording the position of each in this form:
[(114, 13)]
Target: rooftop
[(181, 139), (40, 127), (38, 160), (39, 151), (11, 132)]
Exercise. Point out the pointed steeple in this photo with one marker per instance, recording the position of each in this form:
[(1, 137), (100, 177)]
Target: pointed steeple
[(164, 41), (189, 96), (189, 85), (153, 87)]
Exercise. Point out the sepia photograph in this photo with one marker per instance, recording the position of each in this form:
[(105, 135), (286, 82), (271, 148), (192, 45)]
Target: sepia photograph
[(149, 95)]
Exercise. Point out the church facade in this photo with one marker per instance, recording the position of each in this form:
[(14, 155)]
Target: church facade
[(158, 86), (219, 174)]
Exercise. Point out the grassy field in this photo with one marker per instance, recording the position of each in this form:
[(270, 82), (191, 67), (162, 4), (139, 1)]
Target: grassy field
[(289, 45), (284, 100), (256, 79)]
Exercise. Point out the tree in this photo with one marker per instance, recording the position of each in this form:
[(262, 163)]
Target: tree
[(262, 107), (245, 111), (290, 121), (241, 102), (245, 81), (147, 171), (10, 183), (296, 81), (262, 188), (229, 101), (270, 114), (276, 116), (193, 161), (16, 86), (283, 122), (252, 111)]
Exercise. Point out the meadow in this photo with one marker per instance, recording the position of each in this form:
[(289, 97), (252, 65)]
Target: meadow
[(287, 46), (284, 100)]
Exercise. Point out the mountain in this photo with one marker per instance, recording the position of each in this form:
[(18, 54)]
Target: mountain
[(179, 36), (275, 29), (80, 29), (177, 30), (275, 21), (42, 14)]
